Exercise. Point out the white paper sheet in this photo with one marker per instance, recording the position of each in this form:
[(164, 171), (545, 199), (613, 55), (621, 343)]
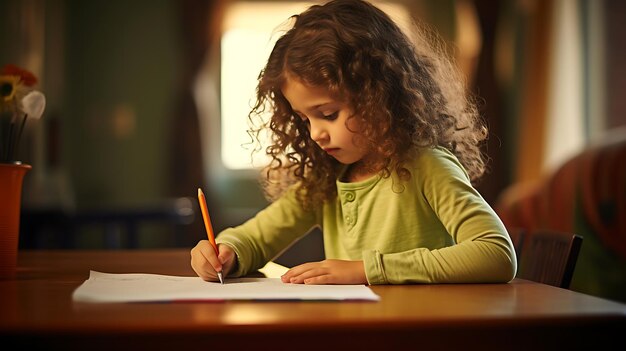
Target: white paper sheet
[(132, 287)]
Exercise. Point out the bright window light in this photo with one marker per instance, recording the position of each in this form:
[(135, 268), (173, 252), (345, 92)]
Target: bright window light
[(249, 34)]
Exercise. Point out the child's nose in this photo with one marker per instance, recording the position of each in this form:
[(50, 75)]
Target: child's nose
[(318, 132)]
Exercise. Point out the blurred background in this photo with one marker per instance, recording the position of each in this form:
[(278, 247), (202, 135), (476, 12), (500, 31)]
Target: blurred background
[(147, 100)]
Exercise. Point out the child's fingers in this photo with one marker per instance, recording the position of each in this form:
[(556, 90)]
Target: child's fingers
[(310, 276), (211, 257), (299, 273), (226, 254), (295, 271), (320, 280), (204, 261), (227, 257)]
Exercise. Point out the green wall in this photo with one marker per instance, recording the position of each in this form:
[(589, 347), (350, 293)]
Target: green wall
[(122, 60)]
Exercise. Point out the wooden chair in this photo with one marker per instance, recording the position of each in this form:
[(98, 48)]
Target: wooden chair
[(549, 257), (517, 237)]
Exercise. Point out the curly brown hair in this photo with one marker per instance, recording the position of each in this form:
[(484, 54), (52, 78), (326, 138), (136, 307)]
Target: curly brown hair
[(406, 95)]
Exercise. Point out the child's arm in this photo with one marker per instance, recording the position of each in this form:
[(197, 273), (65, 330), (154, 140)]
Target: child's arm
[(482, 251), (267, 234)]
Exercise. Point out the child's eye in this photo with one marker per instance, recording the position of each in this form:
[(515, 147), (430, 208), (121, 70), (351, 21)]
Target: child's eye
[(331, 116)]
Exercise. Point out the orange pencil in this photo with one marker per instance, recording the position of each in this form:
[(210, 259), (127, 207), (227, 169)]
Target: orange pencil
[(208, 226)]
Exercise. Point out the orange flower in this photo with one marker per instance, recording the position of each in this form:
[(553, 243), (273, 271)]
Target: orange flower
[(26, 77)]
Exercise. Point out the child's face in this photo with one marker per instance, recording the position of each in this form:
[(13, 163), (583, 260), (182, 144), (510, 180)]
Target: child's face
[(327, 119)]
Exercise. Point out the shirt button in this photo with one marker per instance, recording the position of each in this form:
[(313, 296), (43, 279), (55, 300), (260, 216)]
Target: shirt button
[(348, 219), (350, 196)]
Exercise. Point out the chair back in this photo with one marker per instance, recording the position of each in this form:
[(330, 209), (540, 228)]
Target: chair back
[(549, 257), (117, 227), (517, 237)]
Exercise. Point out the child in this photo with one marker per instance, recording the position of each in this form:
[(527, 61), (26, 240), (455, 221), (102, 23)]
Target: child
[(375, 141)]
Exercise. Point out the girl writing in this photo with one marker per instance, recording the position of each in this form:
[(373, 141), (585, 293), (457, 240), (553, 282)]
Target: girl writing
[(375, 141)]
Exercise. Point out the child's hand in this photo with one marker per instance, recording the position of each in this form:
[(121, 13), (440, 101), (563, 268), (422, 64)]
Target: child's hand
[(327, 272), (206, 263)]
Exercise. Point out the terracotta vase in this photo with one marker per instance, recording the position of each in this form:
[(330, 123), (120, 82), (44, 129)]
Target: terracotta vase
[(11, 177)]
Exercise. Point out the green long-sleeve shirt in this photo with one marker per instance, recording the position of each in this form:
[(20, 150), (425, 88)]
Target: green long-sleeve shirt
[(433, 228)]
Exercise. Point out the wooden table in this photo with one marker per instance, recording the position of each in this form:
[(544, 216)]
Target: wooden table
[(37, 311)]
